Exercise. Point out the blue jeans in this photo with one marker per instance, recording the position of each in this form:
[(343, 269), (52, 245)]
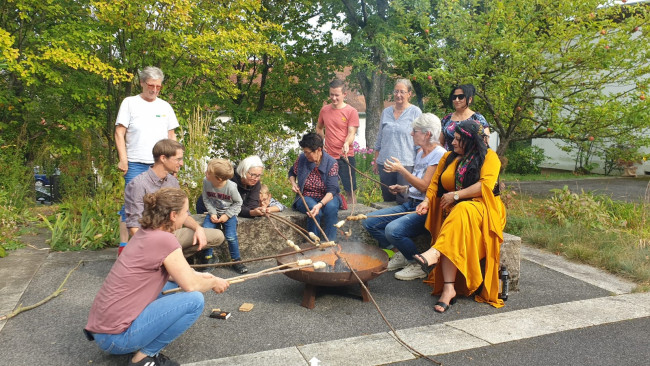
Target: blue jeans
[(229, 232), (135, 169), (158, 324), (396, 231), (327, 216)]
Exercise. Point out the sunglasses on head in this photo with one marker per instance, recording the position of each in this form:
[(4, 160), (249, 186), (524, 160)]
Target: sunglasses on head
[(458, 96)]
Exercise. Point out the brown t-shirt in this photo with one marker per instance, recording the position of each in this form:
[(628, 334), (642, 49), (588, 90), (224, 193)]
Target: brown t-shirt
[(136, 279)]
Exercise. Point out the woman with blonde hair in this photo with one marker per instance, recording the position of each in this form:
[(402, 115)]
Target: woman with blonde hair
[(394, 139)]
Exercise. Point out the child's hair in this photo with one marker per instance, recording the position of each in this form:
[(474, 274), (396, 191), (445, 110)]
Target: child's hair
[(264, 189), (159, 205), (221, 169)]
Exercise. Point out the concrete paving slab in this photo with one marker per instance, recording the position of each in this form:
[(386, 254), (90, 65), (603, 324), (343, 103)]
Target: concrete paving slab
[(518, 324), (278, 357), (438, 339), (375, 349), (16, 272), (588, 274), (638, 299), (604, 310)]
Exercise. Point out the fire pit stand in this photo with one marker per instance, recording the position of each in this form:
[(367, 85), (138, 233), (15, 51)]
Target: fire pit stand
[(309, 295), (368, 262)]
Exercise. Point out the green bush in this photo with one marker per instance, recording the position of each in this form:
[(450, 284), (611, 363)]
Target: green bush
[(583, 209), (254, 134), (525, 159), (88, 220), (14, 198)]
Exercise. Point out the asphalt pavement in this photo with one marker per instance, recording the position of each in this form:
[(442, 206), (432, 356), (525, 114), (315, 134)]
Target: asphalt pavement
[(563, 313)]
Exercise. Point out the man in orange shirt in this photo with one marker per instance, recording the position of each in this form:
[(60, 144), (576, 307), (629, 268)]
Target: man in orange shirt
[(338, 123)]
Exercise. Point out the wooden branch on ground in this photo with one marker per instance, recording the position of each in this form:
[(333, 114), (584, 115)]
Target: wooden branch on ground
[(56, 293)]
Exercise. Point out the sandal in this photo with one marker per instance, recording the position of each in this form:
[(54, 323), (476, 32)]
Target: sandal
[(424, 264), (443, 305)]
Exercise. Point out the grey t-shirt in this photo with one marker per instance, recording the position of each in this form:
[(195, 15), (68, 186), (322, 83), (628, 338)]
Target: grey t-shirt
[(421, 165), (219, 201)]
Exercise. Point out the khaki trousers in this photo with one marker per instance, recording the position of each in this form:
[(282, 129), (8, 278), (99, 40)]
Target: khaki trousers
[(185, 236)]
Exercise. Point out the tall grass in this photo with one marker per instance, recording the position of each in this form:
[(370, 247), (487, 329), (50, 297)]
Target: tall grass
[(616, 243)]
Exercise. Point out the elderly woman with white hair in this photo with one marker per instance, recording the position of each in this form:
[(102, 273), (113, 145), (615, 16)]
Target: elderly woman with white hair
[(395, 232), (247, 176)]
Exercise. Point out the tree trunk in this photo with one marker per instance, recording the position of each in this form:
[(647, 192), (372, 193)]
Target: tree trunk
[(503, 146), (373, 91)]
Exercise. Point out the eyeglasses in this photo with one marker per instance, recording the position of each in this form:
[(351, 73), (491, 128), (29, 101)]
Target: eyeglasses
[(458, 96), (154, 86), (254, 176), (400, 92), (416, 131)]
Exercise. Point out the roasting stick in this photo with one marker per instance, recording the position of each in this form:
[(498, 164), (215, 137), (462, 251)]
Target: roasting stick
[(365, 288), (313, 218), (302, 262), (360, 217), (288, 223), (225, 264), (242, 278), (366, 176)]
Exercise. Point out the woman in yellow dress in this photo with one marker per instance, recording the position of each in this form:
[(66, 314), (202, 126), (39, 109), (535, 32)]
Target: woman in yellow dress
[(466, 218)]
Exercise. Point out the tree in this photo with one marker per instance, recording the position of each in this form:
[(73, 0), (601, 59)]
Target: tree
[(541, 68), (42, 99), (68, 64), (368, 24)]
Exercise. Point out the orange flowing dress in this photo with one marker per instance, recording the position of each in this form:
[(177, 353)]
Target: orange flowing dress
[(472, 231)]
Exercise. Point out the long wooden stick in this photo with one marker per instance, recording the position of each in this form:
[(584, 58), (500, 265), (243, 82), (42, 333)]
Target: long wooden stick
[(288, 223), (402, 342), (258, 275), (243, 278), (56, 293), (225, 264), (313, 218), (393, 214), (368, 177)]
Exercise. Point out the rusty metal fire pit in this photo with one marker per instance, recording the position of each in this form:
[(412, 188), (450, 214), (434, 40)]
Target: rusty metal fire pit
[(368, 261)]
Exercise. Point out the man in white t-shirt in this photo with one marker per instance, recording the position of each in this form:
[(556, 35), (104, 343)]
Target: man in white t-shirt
[(143, 120)]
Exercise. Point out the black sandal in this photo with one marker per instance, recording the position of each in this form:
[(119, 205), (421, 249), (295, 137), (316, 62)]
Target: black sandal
[(424, 264), (443, 305)]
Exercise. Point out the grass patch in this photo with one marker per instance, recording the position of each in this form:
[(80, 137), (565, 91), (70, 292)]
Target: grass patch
[(620, 246)]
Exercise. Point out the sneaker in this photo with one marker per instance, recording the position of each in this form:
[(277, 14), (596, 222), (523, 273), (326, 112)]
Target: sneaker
[(206, 260), (240, 268), (410, 272), (157, 360), (397, 262)]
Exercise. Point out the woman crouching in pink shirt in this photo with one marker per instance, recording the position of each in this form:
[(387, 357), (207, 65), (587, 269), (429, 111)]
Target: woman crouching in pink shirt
[(129, 313)]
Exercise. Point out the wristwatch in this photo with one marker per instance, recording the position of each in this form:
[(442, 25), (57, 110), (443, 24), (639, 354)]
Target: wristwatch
[(456, 198)]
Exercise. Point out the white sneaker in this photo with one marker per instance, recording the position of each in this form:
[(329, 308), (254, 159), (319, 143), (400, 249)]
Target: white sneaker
[(397, 262), (411, 272)]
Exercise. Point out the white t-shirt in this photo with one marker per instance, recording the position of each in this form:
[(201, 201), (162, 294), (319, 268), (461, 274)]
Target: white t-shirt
[(421, 165), (146, 123)]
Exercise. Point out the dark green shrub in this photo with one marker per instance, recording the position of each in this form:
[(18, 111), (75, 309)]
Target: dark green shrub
[(525, 159)]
